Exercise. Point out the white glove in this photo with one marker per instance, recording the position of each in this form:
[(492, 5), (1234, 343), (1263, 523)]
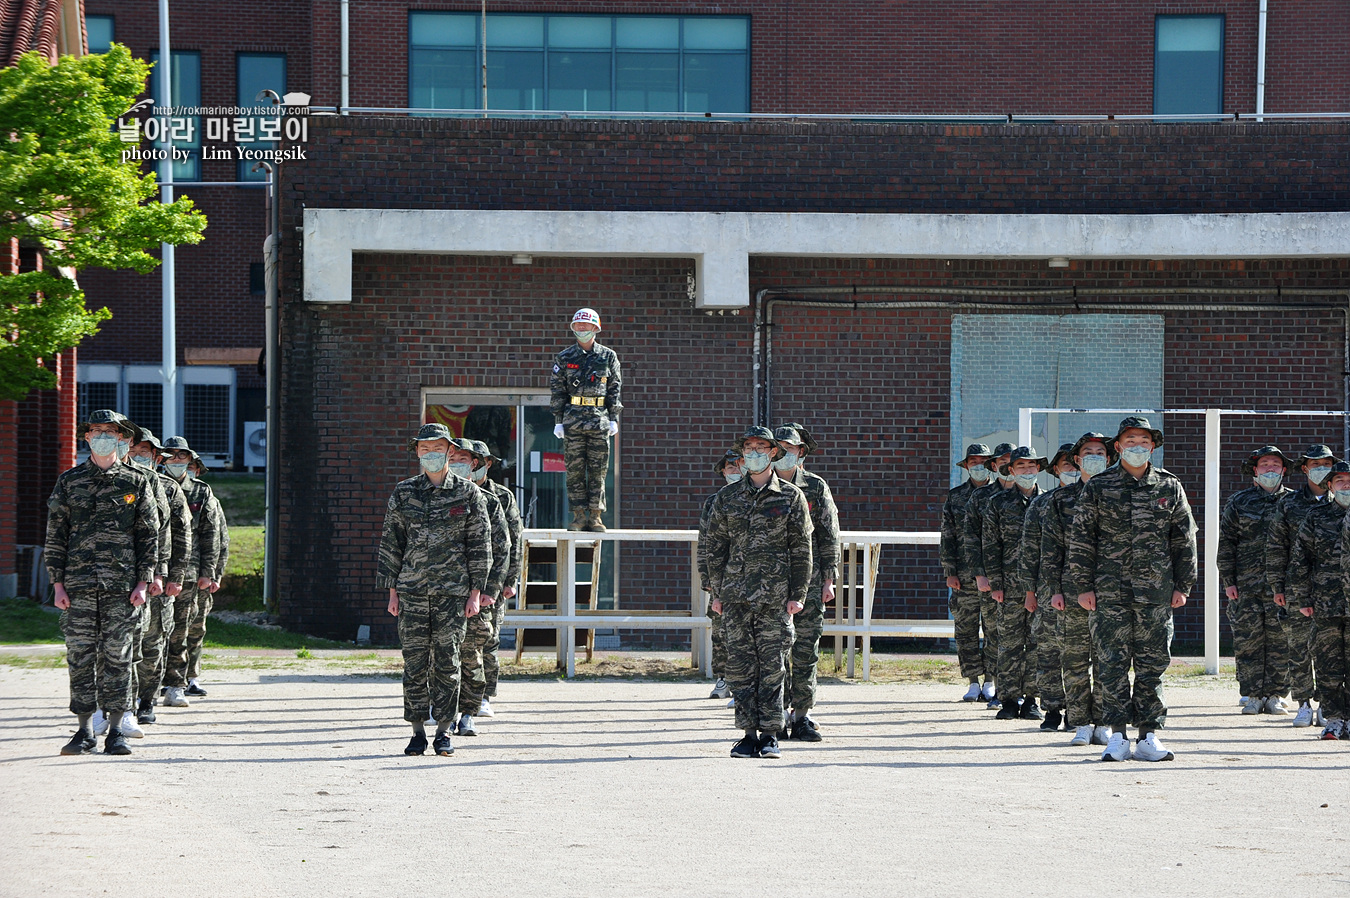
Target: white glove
[(613, 427), (557, 431)]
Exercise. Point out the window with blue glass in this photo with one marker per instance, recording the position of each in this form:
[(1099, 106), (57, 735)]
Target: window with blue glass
[(580, 63), (1188, 65), (98, 31), (186, 91), (257, 72)]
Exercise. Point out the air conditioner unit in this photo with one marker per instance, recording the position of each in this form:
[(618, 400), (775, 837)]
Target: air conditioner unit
[(255, 444)]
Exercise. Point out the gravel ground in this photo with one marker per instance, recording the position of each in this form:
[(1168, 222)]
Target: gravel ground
[(289, 780)]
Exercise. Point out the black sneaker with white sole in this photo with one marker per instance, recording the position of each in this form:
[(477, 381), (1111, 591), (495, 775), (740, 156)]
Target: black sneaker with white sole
[(194, 689), (441, 745), (768, 746), (417, 744), (82, 743), (746, 747)]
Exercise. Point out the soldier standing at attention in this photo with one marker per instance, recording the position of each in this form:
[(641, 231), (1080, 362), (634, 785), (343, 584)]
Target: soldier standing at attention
[(1004, 520), (101, 551), (728, 467), (1259, 643), (1132, 552), (585, 401), (1315, 463), (1077, 626), (196, 632), (972, 545), (759, 571), (507, 497), (964, 602), (1045, 632), (796, 442), (435, 557)]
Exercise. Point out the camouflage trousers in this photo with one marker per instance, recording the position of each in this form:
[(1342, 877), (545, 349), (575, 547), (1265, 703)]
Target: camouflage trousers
[(176, 658), (969, 607), (430, 630), (804, 656), (758, 637), (196, 632), (1082, 673), (157, 627), (1049, 661), (1299, 634), (586, 454), (1016, 644), (478, 632), (1140, 635), (719, 645), (1331, 641), (491, 664), (1260, 647), (100, 628)]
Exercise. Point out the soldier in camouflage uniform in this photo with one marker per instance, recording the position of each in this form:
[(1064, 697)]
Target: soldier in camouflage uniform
[(759, 572), (196, 631), (728, 467), (964, 600), (1004, 521), (1132, 552), (1045, 633), (1093, 454), (507, 497), (101, 552), (1290, 511), (972, 549), (804, 657), (1259, 643), (206, 530), (435, 559), (467, 459), (1317, 585), (585, 400)]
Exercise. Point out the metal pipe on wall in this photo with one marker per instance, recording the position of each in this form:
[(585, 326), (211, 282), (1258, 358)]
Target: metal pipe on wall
[(272, 356), (345, 64), (1261, 62)]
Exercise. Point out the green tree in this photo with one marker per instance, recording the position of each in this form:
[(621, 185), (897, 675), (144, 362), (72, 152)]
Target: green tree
[(65, 189)]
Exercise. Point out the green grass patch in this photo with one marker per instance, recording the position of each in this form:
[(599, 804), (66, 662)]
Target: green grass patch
[(44, 661), (241, 589), (221, 635), (25, 622), (242, 496)]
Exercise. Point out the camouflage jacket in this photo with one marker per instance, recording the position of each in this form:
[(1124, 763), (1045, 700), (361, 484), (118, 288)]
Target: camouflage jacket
[(436, 540), (222, 539), (701, 550), (1133, 539), (972, 528), (1029, 558), (205, 526), (824, 526), (102, 529), (1244, 535), (182, 565), (1004, 522), (1316, 574), (1056, 521), (1290, 511), (954, 563), (501, 542), (588, 373), (759, 543), (515, 530)]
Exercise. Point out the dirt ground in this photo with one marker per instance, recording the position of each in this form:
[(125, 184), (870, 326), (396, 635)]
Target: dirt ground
[(288, 779)]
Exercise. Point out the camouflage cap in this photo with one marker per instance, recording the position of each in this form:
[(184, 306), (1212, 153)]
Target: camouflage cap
[(1249, 466), (135, 430), (1316, 452), (481, 449), (1339, 468), (1003, 449), (148, 436), (789, 435), (430, 432), (1093, 436), (1020, 453), (731, 455), (975, 450), (758, 432), (107, 416), (807, 440), (1139, 422), (179, 444), (1065, 451)]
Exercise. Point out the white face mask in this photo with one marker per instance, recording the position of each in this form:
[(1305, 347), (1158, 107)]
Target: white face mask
[(432, 461), (978, 473), (1092, 465), (461, 469), (1136, 456), (583, 336), (755, 462), (787, 462), (1270, 480), (102, 444), (1069, 478), (1343, 498), (732, 477), (1026, 481), (1317, 475)]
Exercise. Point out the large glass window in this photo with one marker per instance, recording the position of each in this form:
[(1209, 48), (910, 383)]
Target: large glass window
[(580, 63), (258, 72), (186, 90), (98, 30), (1188, 65)]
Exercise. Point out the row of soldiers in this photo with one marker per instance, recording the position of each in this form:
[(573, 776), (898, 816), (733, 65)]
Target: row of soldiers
[(450, 558), (135, 549)]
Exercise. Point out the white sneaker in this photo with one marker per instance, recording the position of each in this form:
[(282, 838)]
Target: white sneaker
[(732, 702), (972, 694), (1150, 749), (720, 689), (485, 710), (130, 727), (99, 722), (1319, 720), (987, 691), (1242, 700), (466, 727), (174, 698), (1101, 735), (1253, 705), (1082, 735), (1304, 717), (1118, 749), (1283, 704), (1273, 705)]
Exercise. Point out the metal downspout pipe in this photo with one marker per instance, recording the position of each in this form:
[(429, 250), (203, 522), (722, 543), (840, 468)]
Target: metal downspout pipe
[(1261, 62), (345, 62)]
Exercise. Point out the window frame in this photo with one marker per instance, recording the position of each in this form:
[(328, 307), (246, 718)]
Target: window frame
[(244, 167), (1222, 20)]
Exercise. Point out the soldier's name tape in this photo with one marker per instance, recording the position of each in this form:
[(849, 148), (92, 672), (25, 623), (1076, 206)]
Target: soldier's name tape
[(598, 401)]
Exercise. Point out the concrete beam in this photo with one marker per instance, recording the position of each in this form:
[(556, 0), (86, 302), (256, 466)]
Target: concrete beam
[(721, 243)]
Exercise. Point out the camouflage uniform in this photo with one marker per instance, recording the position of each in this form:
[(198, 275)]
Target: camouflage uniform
[(1133, 544), (1004, 521), (158, 611), (102, 539), (507, 498), (1316, 579), (1077, 625), (1045, 630), (809, 623), (586, 376), (1259, 643), (206, 600), (478, 629), (206, 531), (759, 559), (1289, 515), (966, 602), (972, 550), (719, 651), (436, 547)]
